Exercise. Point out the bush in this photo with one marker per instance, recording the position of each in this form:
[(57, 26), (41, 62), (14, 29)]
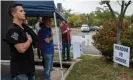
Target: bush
[(106, 37), (127, 40), (132, 18)]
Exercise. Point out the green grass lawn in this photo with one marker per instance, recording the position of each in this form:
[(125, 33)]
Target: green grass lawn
[(96, 68)]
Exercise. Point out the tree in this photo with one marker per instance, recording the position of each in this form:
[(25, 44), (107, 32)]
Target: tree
[(76, 20), (66, 13), (119, 26), (106, 37), (128, 17), (85, 17), (99, 16), (132, 18), (124, 7)]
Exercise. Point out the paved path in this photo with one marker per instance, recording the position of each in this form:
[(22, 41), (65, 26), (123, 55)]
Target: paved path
[(55, 75), (91, 50)]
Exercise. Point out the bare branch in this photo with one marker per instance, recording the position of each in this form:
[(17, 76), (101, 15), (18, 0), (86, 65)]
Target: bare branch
[(110, 8), (122, 8), (121, 14), (119, 3), (129, 2)]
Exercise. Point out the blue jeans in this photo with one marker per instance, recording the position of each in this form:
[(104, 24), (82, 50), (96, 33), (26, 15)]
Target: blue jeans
[(66, 49), (23, 77), (48, 64)]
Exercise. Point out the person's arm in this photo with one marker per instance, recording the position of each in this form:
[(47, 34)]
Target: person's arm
[(49, 39), (13, 37), (67, 30), (69, 27), (64, 32), (63, 29), (22, 47)]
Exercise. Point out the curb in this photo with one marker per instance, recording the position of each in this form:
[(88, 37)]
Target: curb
[(93, 55), (71, 67)]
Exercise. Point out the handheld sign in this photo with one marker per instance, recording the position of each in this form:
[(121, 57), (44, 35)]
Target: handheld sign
[(121, 55)]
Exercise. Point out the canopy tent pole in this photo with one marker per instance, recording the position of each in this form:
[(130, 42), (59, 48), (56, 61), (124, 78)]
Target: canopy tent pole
[(62, 78)]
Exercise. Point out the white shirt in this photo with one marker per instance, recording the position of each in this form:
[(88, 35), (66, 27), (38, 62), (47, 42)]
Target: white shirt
[(37, 27)]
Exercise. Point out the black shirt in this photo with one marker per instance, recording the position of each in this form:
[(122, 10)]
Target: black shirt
[(21, 63)]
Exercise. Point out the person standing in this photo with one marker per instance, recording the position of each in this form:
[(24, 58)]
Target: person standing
[(38, 25), (22, 58), (66, 40), (26, 22), (37, 28), (47, 46)]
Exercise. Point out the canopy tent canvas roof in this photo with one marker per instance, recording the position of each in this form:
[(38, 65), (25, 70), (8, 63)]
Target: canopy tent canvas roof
[(40, 8)]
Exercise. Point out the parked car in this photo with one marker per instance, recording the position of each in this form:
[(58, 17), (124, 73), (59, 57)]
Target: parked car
[(94, 28), (85, 28)]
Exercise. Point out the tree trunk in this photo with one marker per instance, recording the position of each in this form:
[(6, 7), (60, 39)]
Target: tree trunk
[(119, 26), (118, 34), (118, 41)]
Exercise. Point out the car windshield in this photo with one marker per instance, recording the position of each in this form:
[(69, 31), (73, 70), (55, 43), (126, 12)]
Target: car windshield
[(84, 25)]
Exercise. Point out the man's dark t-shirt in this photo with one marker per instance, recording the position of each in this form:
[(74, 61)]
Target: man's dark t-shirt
[(21, 63)]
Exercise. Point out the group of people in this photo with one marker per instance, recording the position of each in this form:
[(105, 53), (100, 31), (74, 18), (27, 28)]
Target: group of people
[(22, 63)]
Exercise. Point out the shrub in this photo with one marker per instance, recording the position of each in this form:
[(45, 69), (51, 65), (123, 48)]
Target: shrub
[(127, 40), (106, 37)]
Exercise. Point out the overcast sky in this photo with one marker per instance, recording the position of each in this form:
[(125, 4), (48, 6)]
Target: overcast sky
[(87, 6)]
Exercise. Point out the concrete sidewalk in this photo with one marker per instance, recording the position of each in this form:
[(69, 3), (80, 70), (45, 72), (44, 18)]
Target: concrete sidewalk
[(91, 50), (55, 74)]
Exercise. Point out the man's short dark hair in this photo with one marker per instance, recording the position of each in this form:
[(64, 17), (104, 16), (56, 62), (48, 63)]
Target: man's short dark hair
[(44, 19), (12, 8)]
